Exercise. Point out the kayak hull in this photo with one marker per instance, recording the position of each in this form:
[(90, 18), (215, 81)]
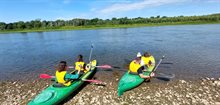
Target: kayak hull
[(54, 95), (130, 81)]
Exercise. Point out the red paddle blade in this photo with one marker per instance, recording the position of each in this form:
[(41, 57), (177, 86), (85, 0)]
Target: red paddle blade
[(92, 80), (104, 66), (45, 76)]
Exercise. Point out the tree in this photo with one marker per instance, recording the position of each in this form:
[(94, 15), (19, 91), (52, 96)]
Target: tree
[(44, 24), (158, 16), (9, 26), (164, 16), (2, 26), (114, 21), (36, 23), (21, 25), (60, 23)]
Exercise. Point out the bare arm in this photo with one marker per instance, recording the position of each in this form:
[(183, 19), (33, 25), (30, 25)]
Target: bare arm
[(79, 69), (144, 76), (147, 77)]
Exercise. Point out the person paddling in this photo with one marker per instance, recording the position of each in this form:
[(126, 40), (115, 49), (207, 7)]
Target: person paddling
[(136, 68), (147, 60), (62, 77), (80, 65)]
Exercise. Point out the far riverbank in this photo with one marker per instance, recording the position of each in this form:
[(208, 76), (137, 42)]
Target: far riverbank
[(92, 27)]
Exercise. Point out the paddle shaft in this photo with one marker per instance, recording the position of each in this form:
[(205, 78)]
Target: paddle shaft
[(164, 75), (152, 70), (90, 55), (158, 64), (47, 76)]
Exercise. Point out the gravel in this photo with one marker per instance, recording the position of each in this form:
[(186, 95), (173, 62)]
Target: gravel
[(178, 92)]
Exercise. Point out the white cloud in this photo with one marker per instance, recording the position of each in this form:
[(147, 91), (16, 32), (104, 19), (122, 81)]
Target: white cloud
[(122, 7)]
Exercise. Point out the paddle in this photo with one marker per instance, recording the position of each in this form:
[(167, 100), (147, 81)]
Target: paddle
[(161, 75), (46, 76), (165, 75), (101, 66), (92, 80), (90, 55), (158, 63)]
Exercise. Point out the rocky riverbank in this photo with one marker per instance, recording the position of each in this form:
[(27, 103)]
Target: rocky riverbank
[(198, 92)]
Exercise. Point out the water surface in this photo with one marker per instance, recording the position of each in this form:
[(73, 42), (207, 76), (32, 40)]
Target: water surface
[(192, 51)]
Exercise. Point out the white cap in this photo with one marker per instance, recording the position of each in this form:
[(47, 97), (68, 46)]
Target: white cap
[(138, 54)]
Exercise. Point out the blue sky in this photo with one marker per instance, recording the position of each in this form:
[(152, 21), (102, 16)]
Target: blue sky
[(26, 10)]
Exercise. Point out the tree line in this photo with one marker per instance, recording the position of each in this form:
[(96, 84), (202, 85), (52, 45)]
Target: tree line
[(38, 24)]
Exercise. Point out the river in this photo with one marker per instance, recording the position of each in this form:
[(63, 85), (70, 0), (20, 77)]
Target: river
[(192, 51)]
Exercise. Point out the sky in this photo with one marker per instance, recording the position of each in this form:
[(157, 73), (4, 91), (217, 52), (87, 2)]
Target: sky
[(27, 10)]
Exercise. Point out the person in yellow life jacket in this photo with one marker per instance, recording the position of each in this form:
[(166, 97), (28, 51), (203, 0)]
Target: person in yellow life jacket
[(62, 77), (135, 67), (80, 65), (148, 60)]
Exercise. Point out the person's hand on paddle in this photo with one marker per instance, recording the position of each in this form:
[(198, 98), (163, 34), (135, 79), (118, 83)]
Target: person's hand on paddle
[(152, 74), (145, 70)]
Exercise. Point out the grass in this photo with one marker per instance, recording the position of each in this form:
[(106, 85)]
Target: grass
[(105, 27)]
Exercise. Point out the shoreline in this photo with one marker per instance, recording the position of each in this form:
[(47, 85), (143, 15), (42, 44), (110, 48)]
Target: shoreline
[(69, 28), (203, 91)]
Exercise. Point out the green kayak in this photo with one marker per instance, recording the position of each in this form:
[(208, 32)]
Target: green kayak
[(130, 81), (54, 95)]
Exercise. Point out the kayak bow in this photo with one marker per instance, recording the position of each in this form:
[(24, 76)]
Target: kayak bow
[(54, 95)]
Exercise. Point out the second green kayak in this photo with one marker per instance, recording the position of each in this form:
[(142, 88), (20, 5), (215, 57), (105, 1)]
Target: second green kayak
[(130, 81), (54, 95)]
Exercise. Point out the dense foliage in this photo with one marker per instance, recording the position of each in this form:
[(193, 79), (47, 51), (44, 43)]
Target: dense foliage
[(38, 24)]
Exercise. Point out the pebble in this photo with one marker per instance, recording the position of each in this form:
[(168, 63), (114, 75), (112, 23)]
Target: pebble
[(217, 103), (207, 78), (202, 83), (204, 80), (182, 81), (14, 83), (176, 93), (217, 83), (148, 97)]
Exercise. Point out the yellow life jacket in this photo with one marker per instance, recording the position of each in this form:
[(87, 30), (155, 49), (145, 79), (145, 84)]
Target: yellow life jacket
[(61, 78), (79, 66), (133, 67), (147, 60)]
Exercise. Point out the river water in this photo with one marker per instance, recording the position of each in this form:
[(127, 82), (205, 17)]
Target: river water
[(192, 51)]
